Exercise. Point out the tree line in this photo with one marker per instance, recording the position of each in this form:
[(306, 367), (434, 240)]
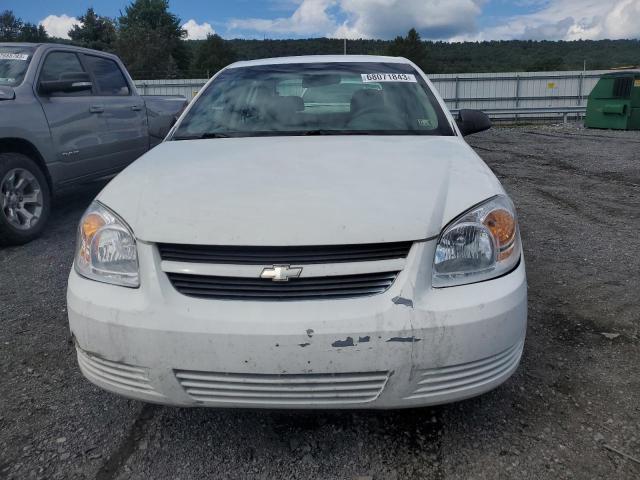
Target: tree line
[(149, 39)]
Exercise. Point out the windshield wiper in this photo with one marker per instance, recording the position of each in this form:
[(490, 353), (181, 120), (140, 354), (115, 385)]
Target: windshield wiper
[(336, 132), (201, 136)]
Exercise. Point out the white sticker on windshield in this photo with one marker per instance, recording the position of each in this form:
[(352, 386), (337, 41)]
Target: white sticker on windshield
[(22, 57), (388, 77)]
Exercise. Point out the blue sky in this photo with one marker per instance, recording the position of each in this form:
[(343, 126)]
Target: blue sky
[(450, 20)]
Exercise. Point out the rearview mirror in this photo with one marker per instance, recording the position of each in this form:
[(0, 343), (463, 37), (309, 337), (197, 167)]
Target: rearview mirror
[(472, 121), (320, 80), (68, 83)]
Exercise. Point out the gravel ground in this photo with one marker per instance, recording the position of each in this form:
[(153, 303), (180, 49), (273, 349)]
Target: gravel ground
[(572, 410)]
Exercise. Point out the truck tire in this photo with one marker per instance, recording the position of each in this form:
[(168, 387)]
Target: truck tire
[(25, 199)]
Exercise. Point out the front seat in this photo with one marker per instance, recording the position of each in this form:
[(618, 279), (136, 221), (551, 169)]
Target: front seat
[(366, 99)]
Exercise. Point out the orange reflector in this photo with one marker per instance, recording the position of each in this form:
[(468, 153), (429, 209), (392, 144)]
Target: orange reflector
[(91, 224), (502, 225)]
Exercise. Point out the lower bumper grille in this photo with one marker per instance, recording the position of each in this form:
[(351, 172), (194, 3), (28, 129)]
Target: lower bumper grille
[(310, 288), (118, 375), (302, 389), (466, 376)]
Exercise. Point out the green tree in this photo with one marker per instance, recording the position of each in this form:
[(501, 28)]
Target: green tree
[(10, 27), (32, 33), (13, 29), (95, 32), (411, 47), (150, 40), (213, 54)]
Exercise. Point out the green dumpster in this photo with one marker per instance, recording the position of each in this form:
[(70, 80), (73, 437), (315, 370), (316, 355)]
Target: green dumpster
[(615, 102)]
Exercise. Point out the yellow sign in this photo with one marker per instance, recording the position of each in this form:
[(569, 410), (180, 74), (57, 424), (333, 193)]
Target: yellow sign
[(636, 83), (551, 85)]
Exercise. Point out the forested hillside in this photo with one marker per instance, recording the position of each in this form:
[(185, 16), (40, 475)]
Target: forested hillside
[(443, 57)]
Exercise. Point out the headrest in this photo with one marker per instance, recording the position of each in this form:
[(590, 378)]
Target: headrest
[(366, 99)]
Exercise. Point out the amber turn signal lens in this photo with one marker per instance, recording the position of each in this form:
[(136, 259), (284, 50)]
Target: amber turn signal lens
[(91, 224), (502, 225)]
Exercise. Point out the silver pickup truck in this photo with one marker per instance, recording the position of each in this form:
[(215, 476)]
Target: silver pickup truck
[(68, 115)]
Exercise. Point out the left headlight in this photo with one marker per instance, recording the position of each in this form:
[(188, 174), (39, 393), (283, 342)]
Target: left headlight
[(481, 244), (106, 249)]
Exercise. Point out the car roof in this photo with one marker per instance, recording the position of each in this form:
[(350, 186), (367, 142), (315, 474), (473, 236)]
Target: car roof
[(320, 59)]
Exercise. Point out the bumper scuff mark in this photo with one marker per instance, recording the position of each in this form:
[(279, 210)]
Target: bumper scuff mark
[(402, 301), (347, 342), (404, 339)]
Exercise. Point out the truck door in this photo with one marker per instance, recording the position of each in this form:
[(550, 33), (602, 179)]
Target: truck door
[(124, 111), (76, 121)]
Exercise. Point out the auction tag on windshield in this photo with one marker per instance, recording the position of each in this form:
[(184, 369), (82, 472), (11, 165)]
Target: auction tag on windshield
[(388, 77), (23, 57)]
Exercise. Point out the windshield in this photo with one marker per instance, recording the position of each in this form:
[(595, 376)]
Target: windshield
[(316, 99), (13, 64)]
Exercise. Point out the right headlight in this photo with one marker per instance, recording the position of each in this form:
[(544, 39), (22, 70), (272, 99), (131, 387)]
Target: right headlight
[(106, 250), (481, 244)]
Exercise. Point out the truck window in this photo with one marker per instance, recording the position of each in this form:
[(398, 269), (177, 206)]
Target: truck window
[(58, 64), (13, 64), (108, 76)]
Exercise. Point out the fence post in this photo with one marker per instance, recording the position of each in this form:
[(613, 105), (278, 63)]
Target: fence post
[(517, 95), (580, 80), (457, 92)]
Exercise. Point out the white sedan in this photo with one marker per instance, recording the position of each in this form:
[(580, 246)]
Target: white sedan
[(313, 233)]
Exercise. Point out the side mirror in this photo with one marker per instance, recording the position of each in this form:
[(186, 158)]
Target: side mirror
[(472, 121), (68, 83)]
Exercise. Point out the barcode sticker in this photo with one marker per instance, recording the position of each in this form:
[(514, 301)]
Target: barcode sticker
[(388, 77), (22, 57)]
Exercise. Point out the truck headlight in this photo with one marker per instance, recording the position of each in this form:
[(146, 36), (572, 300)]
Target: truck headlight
[(481, 244), (106, 249)]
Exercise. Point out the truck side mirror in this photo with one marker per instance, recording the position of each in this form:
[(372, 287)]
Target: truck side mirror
[(472, 121), (68, 83)]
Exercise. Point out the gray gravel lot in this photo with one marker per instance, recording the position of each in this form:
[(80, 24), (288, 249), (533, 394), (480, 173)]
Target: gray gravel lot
[(572, 410)]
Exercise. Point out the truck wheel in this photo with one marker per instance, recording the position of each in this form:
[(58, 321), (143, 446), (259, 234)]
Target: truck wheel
[(25, 199)]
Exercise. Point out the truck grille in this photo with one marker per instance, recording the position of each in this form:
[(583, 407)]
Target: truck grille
[(309, 288), (297, 255), (292, 389)]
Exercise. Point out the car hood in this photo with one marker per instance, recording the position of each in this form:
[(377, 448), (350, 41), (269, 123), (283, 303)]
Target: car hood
[(299, 190)]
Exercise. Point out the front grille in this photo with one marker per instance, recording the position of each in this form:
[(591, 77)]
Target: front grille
[(466, 376), (118, 375), (298, 255), (290, 389), (310, 288)]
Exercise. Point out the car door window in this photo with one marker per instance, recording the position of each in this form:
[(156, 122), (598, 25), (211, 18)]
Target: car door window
[(59, 65), (109, 78)]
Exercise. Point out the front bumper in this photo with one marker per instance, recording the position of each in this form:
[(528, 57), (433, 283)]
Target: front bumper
[(410, 346)]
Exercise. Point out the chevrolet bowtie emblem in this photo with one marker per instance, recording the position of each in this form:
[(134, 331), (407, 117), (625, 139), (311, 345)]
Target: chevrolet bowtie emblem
[(281, 273)]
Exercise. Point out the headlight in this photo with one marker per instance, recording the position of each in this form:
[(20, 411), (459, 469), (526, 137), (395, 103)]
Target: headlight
[(106, 250), (481, 244)]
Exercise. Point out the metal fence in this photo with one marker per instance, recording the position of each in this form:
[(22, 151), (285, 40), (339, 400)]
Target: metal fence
[(502, 95)]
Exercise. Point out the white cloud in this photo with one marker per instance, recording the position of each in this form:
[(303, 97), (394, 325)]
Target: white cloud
[(435, 19), (310, 18), (571, 20), (59, 25), (198, 31), (451, 19), (438, 19)]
